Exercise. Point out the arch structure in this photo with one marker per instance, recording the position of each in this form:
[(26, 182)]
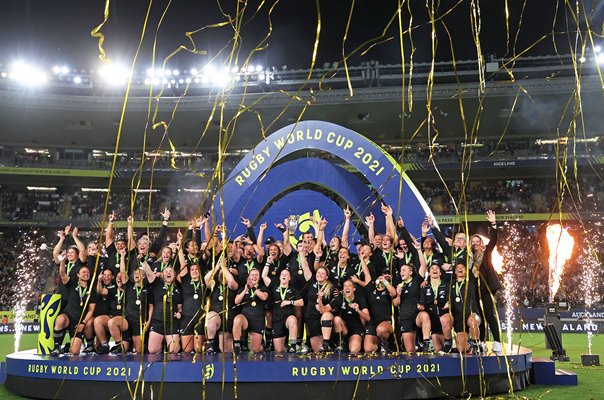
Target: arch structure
[(272, 170)]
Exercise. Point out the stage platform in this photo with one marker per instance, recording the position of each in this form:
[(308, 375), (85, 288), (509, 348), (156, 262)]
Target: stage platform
[(331, 376)]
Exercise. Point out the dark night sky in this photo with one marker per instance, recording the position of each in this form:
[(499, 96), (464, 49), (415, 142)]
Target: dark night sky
[(54, 31)]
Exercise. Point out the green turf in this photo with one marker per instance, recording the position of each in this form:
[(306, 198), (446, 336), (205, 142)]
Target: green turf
[(590, 379)]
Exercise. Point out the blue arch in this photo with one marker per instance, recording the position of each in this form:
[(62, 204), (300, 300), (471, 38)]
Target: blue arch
[(376, 165)]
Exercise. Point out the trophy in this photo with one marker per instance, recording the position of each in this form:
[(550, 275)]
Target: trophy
[(293, 224)]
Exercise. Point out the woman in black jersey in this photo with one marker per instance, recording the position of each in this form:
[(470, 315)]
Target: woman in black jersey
[(321, 301), (193, 322), (354, 314), (434, 316), (252, 298), (167, 310), (138, 307), (408, 301), (464, 309), (341, 271), (113, 320), (379, 298), (223, 286), (284, 298), (78, 309)]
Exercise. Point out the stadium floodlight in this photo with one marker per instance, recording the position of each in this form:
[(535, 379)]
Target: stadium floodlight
[(600, 58), (582, 59), (261, 76), (597, 49), (64, 70), (250, 69), (42, 189), (259, 68), (235, 69), (150, 72), (77, 80), (95, 190), (145, 190), (194, 71), (56, 69), (188, 80), (147, 81), (175, 72), (167, 72), (27, 74), (196, 80), (4, 74), (115, 74)]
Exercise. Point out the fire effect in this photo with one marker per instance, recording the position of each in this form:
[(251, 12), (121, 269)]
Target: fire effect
[(561, 245)]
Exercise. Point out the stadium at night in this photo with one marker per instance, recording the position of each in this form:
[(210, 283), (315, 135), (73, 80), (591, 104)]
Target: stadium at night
[(244, 199)]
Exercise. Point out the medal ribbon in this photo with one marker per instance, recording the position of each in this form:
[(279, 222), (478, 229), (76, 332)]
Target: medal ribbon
[(138, 291), (119, 294), (82, 291), (196, 285), (283, 293), (435, 289), (387, 257), (70, 267)]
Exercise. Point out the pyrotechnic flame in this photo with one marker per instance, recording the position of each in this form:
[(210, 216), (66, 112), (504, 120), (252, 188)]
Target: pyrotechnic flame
[(561, 245)]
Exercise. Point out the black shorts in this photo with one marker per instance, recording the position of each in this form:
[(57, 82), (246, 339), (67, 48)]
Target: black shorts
[(73, 324), (313, 327), (408, 325), (225, 323), (255, 325), (371, 328), (192, 325), (279, 328), (134, 326), (170, 327), (435, 326), (355, 330)]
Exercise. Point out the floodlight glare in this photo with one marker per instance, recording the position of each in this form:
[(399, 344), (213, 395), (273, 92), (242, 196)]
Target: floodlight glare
[(194, 71), (114, 74), (582, 60), (597, 49), (26, 74), (600, 58), (259, 68), (56, 69), (175, 72), (77, 80), (64, 70)]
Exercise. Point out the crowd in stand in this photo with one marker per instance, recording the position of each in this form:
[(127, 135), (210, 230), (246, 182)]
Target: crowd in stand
[(511, 196)]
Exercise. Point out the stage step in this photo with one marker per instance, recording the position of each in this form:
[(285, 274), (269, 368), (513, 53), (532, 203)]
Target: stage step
[(2, 372), (544, 372)]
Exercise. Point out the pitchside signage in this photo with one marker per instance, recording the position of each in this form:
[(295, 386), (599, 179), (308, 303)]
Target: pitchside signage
[(252, 184), (270, 369), (573, 321)]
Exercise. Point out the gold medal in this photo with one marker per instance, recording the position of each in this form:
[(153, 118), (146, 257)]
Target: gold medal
[(138, 302), (253, 304), (300, 272), (220, 298), (119, 307), (81, 304), (274, 272)]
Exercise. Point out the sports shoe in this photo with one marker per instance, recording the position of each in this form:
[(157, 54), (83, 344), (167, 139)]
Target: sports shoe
[(384, 348), (447, 346), (55, 352), (117, 349), (425, 346), (324, 348), (89, 349), (497, 347), (339, 349), (303, 349), (103, 349), (210, 350), (237, 349), (291, 348)]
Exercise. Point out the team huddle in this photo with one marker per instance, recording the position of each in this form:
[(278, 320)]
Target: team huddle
[(206, 293)]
